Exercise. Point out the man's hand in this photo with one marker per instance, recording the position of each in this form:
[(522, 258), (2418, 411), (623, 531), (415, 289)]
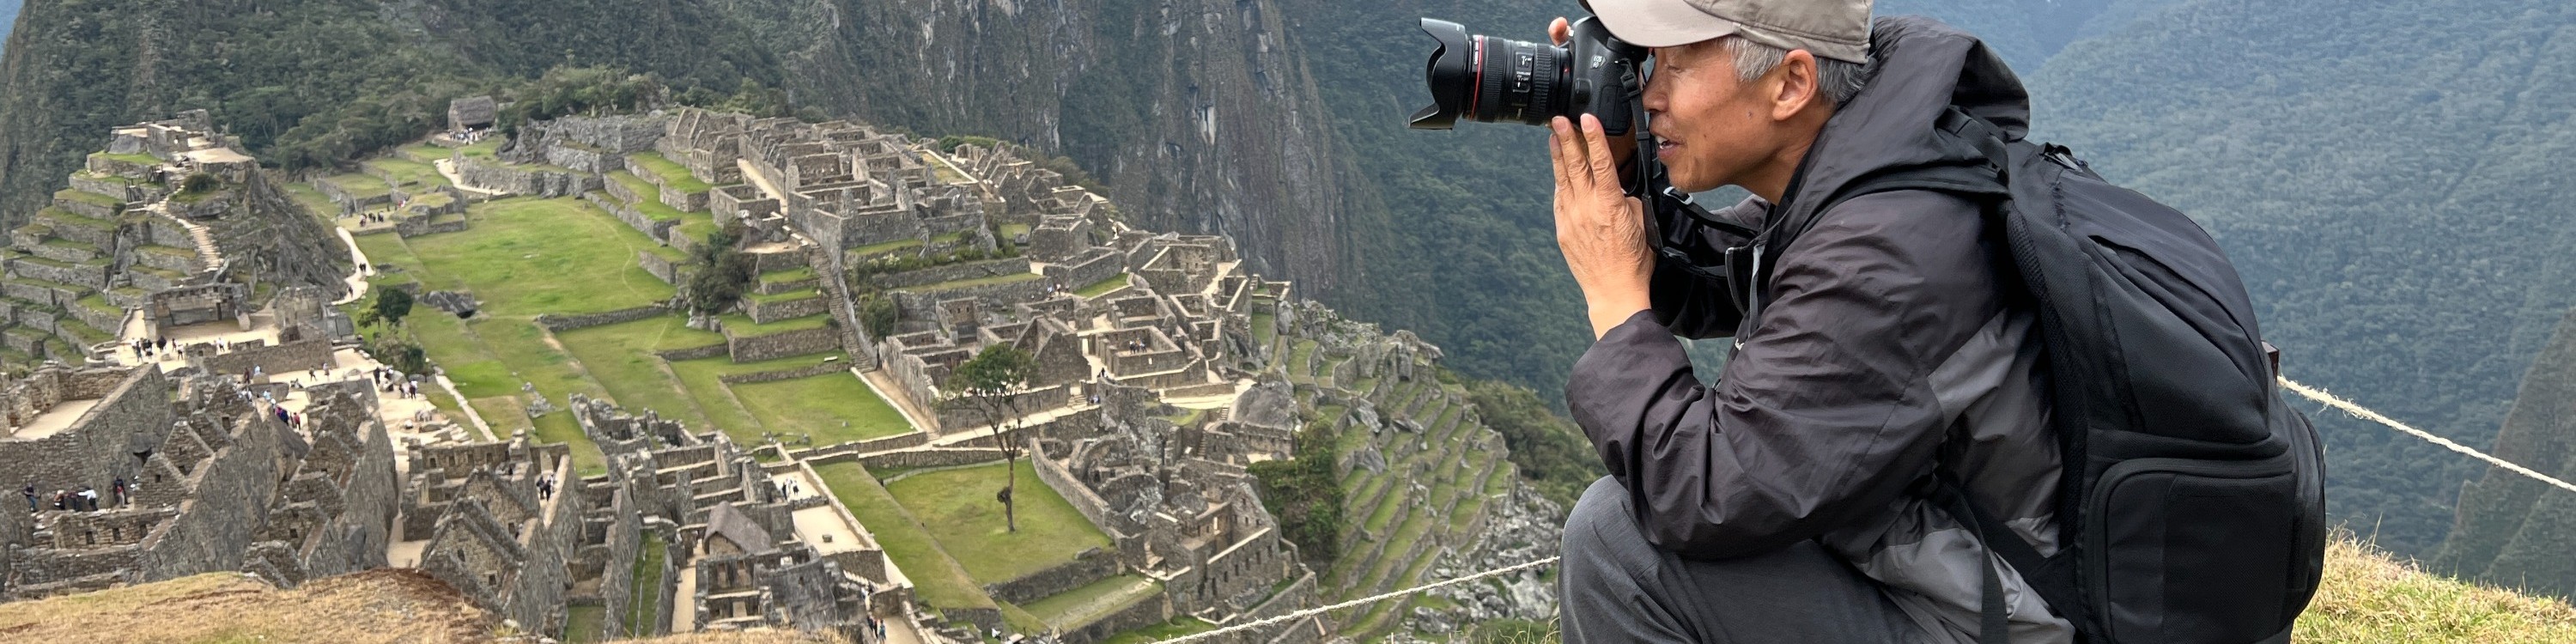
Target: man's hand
[(1601, 230)]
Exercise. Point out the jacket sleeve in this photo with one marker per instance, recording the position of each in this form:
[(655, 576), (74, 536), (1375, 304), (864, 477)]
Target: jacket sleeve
[(1825, 413), (1690, 306)]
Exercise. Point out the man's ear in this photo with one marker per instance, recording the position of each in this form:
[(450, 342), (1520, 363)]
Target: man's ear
[(1793, 85)]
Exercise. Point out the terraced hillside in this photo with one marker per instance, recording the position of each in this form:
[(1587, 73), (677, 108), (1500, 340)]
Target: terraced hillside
[(1422, 475)]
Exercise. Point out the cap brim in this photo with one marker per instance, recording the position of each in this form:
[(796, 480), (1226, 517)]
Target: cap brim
[(1660, 23)]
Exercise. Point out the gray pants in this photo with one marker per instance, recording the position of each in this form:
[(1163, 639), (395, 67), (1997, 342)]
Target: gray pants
[(1616, 587)]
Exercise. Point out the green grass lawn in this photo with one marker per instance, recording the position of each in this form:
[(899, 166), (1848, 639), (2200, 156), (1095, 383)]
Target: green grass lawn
[(582, 623), (958, 506), (702, 379), (622, 358), (1080, 607), (640, 616), (1102, 287), (1179, 626), (304, 194), (1014, 231), (136, 158), (741, 325), (937, 579), (423, 152), (797, 274), (482, 149), (525, 256), (833, 407), (387, 249), (360, 186), (408, 172), (671, 173), (883, 248)]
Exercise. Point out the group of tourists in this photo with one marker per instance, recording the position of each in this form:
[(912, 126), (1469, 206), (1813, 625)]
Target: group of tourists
[(83, 499)]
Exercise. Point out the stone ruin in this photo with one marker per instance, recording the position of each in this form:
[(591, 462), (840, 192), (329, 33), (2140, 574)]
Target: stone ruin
[(215, 483), (125, 238)]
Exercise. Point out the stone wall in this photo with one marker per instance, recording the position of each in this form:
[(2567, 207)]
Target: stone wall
[(772, 310), (782, 345), (98, 447), (300, 355), (121, 191), (1151, 611), (1092, 565), (496, 176), (922, 304), (952, 273), (562, 323), (659, 266), (409, 227), (784, 374), (617, 582), (1086, 270), (931, 457), (232, 491), (695, 353), (626, 211), (1071, 488)]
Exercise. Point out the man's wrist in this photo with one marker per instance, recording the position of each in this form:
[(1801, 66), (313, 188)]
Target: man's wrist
[(1609, 315)]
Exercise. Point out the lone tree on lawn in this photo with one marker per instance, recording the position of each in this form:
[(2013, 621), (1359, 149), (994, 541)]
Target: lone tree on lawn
[(390, 306), (989, 384)]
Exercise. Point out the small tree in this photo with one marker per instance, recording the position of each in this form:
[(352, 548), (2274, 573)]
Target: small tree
[(989, 384), (389, 307), (199, 183), (723, 273), (878, 315)]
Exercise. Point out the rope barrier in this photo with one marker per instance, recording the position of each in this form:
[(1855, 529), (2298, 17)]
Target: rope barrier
[(2312, 393), (2365, 414), (1311, 612)]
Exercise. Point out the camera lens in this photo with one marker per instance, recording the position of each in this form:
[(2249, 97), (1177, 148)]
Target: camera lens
[(1491, 79)]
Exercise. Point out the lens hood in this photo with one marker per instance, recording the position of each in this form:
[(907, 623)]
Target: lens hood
[(1450, 73)]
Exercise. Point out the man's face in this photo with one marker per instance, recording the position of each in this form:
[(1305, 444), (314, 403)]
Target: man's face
[(1715, 130)]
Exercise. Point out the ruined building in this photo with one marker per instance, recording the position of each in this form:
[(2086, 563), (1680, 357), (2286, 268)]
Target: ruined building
[(215, 482)]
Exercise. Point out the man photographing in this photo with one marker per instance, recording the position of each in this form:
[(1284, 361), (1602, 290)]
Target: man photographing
[(1979, 393), (1785, 503)]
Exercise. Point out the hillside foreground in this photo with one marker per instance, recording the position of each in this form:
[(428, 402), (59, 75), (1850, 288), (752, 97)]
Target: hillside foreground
[(2368, 597)]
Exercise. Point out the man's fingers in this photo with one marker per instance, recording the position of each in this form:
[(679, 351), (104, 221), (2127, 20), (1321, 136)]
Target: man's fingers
[(1597, 150), (1563, 147), (1558, 31)]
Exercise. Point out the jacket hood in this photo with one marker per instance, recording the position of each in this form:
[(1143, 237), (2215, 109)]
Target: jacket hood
[(1922, 68)]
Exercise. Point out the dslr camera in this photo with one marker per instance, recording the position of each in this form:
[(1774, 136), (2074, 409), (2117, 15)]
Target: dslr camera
[(1494, 80)]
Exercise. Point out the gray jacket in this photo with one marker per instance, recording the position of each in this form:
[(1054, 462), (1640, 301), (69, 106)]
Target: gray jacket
[(1887, 344)]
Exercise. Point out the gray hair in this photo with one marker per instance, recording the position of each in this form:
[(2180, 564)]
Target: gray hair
[(1840, 80)]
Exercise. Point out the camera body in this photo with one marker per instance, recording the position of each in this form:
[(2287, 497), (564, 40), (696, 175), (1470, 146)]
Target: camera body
[(1492, 80)]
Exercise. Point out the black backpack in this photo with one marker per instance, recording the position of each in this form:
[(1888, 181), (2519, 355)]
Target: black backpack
[(2192, 507)]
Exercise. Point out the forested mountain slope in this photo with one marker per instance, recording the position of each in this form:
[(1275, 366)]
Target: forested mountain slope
[(2513, 530), (2390, 179)]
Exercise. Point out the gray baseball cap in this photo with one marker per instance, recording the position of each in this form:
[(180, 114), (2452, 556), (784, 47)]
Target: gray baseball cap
[(1836, 29)]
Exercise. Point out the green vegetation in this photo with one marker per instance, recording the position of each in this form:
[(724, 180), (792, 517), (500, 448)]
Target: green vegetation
[(406, 172), (671, 173), (958, 507), (937, 579), (622, 358), (831, 408), (1303, 493), (1080, 607), (2334, 147), (741, 324), (720, 274), (1102, 287), (583, 623), (1553, 454), (640, 616), (1179, 626), (360, 186), (515, 259)]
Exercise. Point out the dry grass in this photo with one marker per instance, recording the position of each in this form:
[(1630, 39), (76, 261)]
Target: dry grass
[(2368, 597), (375, 606), (382, 606)]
